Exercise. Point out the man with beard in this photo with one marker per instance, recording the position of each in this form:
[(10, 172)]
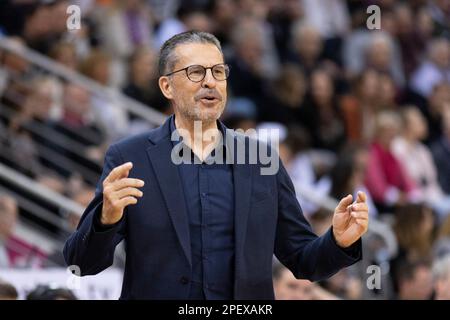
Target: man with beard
[(205, 227)]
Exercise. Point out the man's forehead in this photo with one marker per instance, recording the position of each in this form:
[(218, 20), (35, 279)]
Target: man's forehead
[(205, 54)]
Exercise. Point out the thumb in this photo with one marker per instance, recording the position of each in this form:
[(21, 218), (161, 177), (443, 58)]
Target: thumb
[(361, 197), (344, 203)]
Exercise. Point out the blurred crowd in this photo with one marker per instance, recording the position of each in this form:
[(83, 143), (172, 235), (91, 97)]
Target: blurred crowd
[(357, 108)]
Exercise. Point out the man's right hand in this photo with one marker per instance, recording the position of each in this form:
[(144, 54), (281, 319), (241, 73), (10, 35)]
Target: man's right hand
[(119, 191)]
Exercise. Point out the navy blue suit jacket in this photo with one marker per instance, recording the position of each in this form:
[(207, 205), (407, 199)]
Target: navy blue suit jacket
[(268, 220)]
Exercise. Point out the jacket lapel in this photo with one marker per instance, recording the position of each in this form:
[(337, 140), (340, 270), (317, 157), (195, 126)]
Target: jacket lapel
[(242, 175), (170, 183)]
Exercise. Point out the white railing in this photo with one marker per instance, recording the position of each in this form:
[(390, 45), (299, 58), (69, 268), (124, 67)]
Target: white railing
[(133, 106)]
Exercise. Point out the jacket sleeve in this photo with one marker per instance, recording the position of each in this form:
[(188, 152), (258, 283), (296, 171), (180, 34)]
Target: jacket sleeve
[(92, 248), (298, 247)]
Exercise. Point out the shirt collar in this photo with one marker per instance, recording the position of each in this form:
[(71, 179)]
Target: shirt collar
[(223, 148)]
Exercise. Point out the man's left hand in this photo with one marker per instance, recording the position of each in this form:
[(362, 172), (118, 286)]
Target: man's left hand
[(350, 220)]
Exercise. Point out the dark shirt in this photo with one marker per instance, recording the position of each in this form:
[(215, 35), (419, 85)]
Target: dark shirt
[(209, 193)]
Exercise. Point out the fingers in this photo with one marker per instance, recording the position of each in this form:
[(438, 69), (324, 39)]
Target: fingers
[(344, 203), (360, 215), (361, 197), (359, 207), (122, 203), (122, 193), (125, 183), (118, 172), (363, 223)]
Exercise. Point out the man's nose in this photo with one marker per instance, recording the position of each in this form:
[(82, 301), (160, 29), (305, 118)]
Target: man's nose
[(209, 81)]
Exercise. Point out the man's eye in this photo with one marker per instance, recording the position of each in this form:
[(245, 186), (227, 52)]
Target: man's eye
[(219, 71), (196, 71)]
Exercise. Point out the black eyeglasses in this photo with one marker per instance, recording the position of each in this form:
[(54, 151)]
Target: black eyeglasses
[(197, 73)]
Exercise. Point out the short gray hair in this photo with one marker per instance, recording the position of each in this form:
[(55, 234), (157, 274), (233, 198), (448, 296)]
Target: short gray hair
[(167, 58)]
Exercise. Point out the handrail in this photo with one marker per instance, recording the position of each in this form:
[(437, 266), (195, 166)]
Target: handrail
[(153, 116), (40, 190)]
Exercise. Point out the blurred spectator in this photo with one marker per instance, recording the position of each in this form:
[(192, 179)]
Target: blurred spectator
[(321, 115), (433, 109), (441, 152), (347, 176), (285, 99), (411, 39), (7, 291), (282, 16), (44, 292), (344, 285), (111, 117), (65, 53), (142, 84), (306, 173), (441, 277), (386, 178), (435, 69), (360, 107), (287, 287), (8, 221), (380, 56), (414, 280), (363, 48), (321, 221), (78, 119), (442, 243), (418, 161), (413, 227), (125, 25), (307, 46), (440, 13)]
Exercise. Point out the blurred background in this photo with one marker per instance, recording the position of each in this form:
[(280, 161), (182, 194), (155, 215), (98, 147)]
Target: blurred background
[(358, 109)]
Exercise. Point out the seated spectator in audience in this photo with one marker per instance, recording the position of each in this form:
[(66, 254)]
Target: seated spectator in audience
[(321, 221), (413, 227), (434, 109), (441, 151), (65, 53), (344, 285), (418, 160), (364, 48), (380, 56), (442, 242), (306, 173), (441, 278), (109, 114), (15, 251), (347, 175), (8, 220), (386, 179), (250, 75), (143, 80), (387, 93), (78, 119), (287, 287), (433, 70), (360, 106), (307, 45), (44, 292), (414, 280), (284, 101), (125, 25), (7, 291), (321, 115)]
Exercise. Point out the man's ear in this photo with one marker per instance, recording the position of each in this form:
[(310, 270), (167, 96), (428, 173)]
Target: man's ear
[(166, 87)]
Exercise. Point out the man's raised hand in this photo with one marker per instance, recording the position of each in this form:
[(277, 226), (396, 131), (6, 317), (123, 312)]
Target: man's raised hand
[(119, 191), (350, 221)]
